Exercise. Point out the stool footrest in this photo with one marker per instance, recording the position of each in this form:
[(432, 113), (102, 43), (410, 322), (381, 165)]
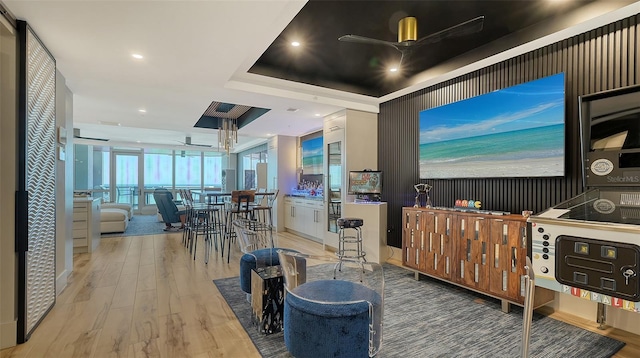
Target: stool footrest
[(351, 257), (351, 240)]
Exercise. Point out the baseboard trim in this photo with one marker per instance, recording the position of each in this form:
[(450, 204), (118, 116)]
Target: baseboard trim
[(61, 282), (8, 334)]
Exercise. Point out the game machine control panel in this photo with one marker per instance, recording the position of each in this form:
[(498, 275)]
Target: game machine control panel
[(576, 251), (589, 245), (599, 266)]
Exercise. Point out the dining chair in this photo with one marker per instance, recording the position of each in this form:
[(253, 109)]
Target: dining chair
[(264, 211), (239, 207)]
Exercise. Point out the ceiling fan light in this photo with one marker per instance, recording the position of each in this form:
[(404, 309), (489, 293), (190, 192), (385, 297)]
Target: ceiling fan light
[(407, 29)]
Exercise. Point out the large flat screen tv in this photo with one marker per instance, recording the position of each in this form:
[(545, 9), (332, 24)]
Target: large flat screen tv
[(517, 131), (312, 156)]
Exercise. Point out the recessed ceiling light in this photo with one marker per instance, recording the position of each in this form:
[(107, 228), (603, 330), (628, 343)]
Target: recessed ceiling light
[(393, 69), (142, 110), (318, 114), (295, 43), (137, 56)]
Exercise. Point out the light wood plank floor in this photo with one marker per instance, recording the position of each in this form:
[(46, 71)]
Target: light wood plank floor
[(146, 297)]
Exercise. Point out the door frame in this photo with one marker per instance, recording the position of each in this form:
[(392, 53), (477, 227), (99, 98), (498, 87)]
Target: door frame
[(138, 199)]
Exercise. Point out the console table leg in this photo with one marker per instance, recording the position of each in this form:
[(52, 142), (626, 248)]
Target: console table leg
[(506, 306), (601, 318)]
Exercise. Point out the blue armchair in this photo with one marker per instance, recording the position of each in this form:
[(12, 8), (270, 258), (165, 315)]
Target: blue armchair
[(168, 208), (329, 312)]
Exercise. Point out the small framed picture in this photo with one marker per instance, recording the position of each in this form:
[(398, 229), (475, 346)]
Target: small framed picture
[(62, 135)]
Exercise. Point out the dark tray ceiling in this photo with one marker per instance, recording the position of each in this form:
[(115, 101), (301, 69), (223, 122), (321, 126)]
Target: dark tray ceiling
[(360, 68)]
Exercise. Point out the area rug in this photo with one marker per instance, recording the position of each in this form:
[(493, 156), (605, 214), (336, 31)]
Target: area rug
[(431, 318), (141, 225)]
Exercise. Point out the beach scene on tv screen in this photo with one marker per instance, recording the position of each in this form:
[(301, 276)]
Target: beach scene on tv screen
[(513, 132), (312, 156)]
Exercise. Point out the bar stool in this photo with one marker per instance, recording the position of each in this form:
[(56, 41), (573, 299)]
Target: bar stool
[(191, 222), (205, 225), (216, 229), (349, 242)]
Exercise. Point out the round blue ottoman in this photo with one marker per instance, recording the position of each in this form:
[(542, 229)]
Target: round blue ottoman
[(337, 329), (264, 257)]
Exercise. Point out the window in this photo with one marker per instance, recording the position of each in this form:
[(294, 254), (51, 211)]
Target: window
[(188, 169), (212, 170), (158, 168)]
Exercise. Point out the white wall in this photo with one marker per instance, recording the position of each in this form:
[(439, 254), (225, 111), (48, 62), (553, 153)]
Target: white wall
[(358, 132), (8, 323), (281, 172), (64, 185)]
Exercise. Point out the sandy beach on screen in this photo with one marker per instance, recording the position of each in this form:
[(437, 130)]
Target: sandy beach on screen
[(495, 168)]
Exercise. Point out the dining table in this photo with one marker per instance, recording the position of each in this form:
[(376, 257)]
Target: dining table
[(216, 196)]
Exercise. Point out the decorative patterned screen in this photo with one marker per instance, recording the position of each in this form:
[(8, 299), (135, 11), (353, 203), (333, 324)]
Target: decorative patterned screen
[(40, 176)]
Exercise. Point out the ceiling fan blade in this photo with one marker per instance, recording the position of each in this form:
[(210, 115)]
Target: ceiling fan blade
[(92, 138), (199, 145), (194, 144), (465, 28), (367, 40), (187, 142)]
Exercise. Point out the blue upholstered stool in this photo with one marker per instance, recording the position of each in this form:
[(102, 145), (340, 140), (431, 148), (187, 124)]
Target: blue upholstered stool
[(337, 328), (264, 257)]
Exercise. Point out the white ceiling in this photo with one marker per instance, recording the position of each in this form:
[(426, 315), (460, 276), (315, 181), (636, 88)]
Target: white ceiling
[(191, 49), (195, 52)]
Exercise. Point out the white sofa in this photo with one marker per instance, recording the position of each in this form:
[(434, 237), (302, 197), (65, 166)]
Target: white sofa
[(113, 220), (122, 206)]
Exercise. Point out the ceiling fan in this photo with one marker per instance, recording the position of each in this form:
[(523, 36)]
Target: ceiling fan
[(187, 142), (408, 35)]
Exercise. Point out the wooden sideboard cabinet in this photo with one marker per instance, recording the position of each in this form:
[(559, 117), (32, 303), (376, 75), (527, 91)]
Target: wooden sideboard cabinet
[(482, 252), (86, 224)]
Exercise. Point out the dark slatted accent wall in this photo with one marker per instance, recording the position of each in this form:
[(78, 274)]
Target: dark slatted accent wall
[(602, 59)]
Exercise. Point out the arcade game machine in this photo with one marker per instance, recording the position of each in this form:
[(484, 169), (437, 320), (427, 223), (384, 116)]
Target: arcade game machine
[(589, 246)]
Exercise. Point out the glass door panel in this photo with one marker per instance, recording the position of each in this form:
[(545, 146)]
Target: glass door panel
[(334, 185), (127, 179)]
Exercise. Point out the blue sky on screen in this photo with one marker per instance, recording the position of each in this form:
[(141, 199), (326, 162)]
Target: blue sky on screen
[(312, 147), (529, 105)]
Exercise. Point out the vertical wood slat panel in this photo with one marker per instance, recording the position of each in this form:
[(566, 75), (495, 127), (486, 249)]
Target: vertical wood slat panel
[(598, 60)]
